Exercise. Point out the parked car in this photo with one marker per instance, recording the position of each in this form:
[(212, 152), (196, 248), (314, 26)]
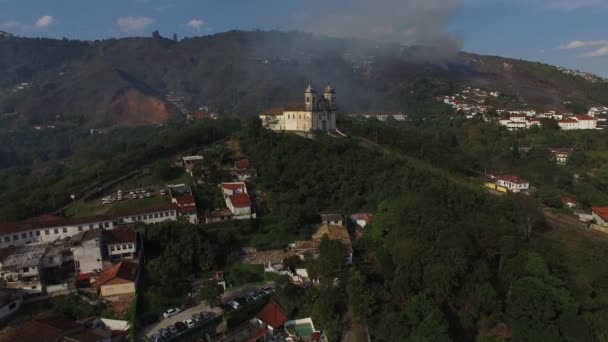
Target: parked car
[(163, 192), (189, 323), (171, 312), (164, 332), (173, 329), (253, 296), (157, 337), (235, 305), (197, 317), (181, 326)]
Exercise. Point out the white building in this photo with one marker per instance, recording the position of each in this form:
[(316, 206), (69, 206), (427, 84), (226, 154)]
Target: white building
[(22, 267), (88, 251), (121, 243), (578, 122), (512, 183), (316, 114), (237, 200)]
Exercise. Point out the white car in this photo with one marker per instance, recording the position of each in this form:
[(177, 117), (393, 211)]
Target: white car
[(171, 312), (189, 323), (234, 304)]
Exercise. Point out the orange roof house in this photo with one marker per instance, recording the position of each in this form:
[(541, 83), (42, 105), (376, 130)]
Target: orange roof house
[(272, 316), (118, 280)]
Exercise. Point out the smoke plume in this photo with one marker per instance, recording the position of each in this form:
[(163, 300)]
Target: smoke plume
[(407, 22)]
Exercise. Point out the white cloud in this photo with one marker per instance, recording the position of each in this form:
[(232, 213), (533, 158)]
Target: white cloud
[(196, 24), (601, 52), (580, 44), (134, 23), (44, 21), (10, 24)]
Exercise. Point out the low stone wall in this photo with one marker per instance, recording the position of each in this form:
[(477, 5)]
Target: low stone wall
[(599, 228)]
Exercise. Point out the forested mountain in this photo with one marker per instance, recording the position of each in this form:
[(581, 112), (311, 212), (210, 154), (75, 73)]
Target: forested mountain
[(125, 81)]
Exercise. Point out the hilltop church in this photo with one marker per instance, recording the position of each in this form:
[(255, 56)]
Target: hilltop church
[(317, 113)]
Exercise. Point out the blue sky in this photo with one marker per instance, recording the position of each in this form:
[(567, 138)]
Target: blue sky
[(571, 33)]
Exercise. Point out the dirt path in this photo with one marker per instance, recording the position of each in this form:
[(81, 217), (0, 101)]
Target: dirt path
[(563, 221)]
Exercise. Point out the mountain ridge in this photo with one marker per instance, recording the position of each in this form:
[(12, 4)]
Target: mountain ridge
[(243, 72)]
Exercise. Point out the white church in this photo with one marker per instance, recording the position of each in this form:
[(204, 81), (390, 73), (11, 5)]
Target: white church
[(317, 113)]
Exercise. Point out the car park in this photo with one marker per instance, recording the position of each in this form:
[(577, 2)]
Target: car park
[(164, 332), (173, 330), (157, 337), (181, 326), (171, 312), (189, 323)]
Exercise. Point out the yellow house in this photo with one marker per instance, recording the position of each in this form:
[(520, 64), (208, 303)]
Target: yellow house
[(118, 281)]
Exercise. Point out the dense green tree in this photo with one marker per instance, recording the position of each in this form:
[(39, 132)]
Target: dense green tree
[(211, 293)]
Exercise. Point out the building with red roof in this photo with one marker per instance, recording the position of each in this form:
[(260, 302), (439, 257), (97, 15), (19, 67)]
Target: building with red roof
[(117, 281), (600, 215), (569, 202), (272, 317)]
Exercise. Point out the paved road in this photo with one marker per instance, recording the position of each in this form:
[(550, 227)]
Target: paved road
[(186, 314)]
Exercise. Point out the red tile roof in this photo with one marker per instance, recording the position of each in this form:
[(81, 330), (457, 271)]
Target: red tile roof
[(124, 270), (240, 200), (511, 178), (186, 210), (184, 200), (234, 186), (585, 117), (568, 121), (272, 315), (122, 234), (367, 217), (48, 222), (566, 200), (601, 212), (296, 107), (242, 164)]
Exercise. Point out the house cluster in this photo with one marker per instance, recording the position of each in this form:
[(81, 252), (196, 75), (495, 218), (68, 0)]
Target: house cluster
[(51, 254), (561, 155), (183, 199), (238, 204), (587, 76), (65, 330), (506, 183), (470, 101), (333, 226), (518, 120), (380, 116)]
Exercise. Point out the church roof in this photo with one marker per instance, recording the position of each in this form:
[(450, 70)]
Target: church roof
[(296, 107)]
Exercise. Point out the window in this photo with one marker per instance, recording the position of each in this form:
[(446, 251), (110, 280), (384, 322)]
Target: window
[(79, 228), (300, 116), (156, 215), (23, 235), (112, 248), (34, 287), (138, 218), (65, 230), (162, 214), (118, 248), (31, 234), (12, 306), (100, 225), (7, 238), (90, 226), (15, 237), (56, 231), (51, 259), (47, 232), (124, 246), (25, 269), (107, 224), (131, 246), (133, 218), (98, 260), (37, 233)]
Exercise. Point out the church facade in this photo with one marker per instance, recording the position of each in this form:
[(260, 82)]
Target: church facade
[(317, 113)]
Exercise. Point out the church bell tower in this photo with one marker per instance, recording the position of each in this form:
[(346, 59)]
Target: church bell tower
[(310, 98)]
